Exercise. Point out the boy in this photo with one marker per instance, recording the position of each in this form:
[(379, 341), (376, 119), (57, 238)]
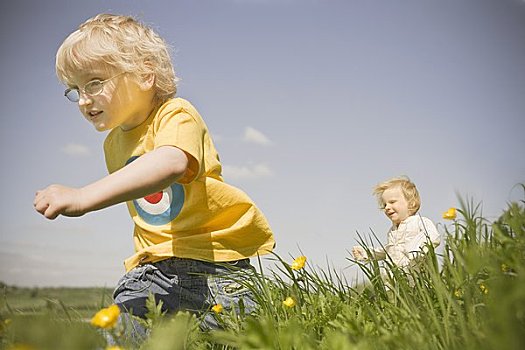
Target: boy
[(399, 199), (190, 228)]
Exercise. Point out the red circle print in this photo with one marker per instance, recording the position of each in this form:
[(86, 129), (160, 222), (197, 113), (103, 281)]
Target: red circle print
[(154, 198)]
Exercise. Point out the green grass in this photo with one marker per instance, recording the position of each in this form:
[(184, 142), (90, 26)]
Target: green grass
[(82, 302), (470, 297)]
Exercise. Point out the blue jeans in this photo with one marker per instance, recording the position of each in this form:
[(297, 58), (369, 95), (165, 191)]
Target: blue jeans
[(184, 284)]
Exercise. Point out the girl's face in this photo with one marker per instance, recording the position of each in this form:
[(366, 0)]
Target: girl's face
[(396, 205), (121, 101)]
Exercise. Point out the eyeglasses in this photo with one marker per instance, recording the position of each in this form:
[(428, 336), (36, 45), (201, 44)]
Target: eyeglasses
[(92, 88)]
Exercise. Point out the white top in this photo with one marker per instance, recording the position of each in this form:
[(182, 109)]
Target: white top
[(408, 239)]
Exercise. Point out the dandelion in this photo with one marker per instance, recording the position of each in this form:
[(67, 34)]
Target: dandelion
[(450, 214), (484, 289), (217, 308), (107, 317), (298, 263), (289, 302)]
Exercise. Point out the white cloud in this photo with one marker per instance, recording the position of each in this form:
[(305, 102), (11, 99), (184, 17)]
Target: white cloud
[(256, 171), (255, 136), (76, 150)]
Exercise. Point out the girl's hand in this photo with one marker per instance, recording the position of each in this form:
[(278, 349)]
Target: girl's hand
[(359, 253), (58, 200)]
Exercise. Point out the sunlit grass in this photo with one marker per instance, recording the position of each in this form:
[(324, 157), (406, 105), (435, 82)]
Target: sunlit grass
[(472, 296)]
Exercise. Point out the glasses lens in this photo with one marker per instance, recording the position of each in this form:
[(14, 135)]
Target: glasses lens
[(94, 87), (72, 95)]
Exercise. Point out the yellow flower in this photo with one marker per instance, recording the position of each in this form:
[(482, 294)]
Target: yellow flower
[(217, 308), (458, 293), (450, 214), (289, 302), (483, 288), (114, 347), (505, 268), (298, 263), (107, 317)]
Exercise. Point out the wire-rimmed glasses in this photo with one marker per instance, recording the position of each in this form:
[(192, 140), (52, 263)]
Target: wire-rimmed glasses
[(92, 88)]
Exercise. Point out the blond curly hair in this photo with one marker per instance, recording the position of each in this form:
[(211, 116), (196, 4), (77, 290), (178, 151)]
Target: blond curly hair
[(408, 188), (122, 43)]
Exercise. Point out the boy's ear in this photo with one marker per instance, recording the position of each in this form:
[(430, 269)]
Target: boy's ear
[(147, 81)]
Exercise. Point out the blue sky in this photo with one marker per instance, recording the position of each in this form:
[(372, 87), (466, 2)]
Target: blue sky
[(310, 102)]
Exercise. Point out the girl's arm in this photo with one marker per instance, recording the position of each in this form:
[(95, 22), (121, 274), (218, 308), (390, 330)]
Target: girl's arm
[(379, 253), (150, 173), (360, 253)]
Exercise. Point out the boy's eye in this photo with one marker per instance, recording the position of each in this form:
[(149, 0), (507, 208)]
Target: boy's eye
[(93, 87)]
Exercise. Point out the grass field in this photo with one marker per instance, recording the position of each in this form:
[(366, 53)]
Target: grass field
[(470, 297), (81, 302)]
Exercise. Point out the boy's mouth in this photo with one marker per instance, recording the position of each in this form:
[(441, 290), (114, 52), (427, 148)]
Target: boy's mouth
[(94, 113)]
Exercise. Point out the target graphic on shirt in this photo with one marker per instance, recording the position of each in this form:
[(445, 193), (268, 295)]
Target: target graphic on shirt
[(162, 207)]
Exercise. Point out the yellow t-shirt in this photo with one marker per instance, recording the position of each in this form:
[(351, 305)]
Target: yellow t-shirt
[(200, 216)]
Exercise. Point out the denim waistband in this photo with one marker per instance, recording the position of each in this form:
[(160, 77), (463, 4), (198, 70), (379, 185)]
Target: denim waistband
[(185, 265)]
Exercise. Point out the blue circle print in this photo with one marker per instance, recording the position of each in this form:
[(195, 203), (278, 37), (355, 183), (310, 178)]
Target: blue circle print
[(162, 207)]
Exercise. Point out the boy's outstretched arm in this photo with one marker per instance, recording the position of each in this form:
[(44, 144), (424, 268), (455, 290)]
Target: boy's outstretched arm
[(148, 174)]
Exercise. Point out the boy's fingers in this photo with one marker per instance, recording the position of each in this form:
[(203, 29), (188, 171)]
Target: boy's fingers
[(37, 203), (50, 213), (40, 197), (41, 206), (37, 197)]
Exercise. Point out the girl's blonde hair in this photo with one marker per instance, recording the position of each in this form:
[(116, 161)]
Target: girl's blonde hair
[(407, 187), (122, 43)]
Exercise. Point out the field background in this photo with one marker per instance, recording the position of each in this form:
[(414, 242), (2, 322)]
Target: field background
[(81, 302), (470, 297)]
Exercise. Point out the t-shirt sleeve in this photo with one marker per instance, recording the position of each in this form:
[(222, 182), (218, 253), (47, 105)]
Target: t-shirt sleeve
[(180, 128)]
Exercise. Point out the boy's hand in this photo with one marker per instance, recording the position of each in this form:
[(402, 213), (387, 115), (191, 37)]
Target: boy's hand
[(359, 253), (59, 200)]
